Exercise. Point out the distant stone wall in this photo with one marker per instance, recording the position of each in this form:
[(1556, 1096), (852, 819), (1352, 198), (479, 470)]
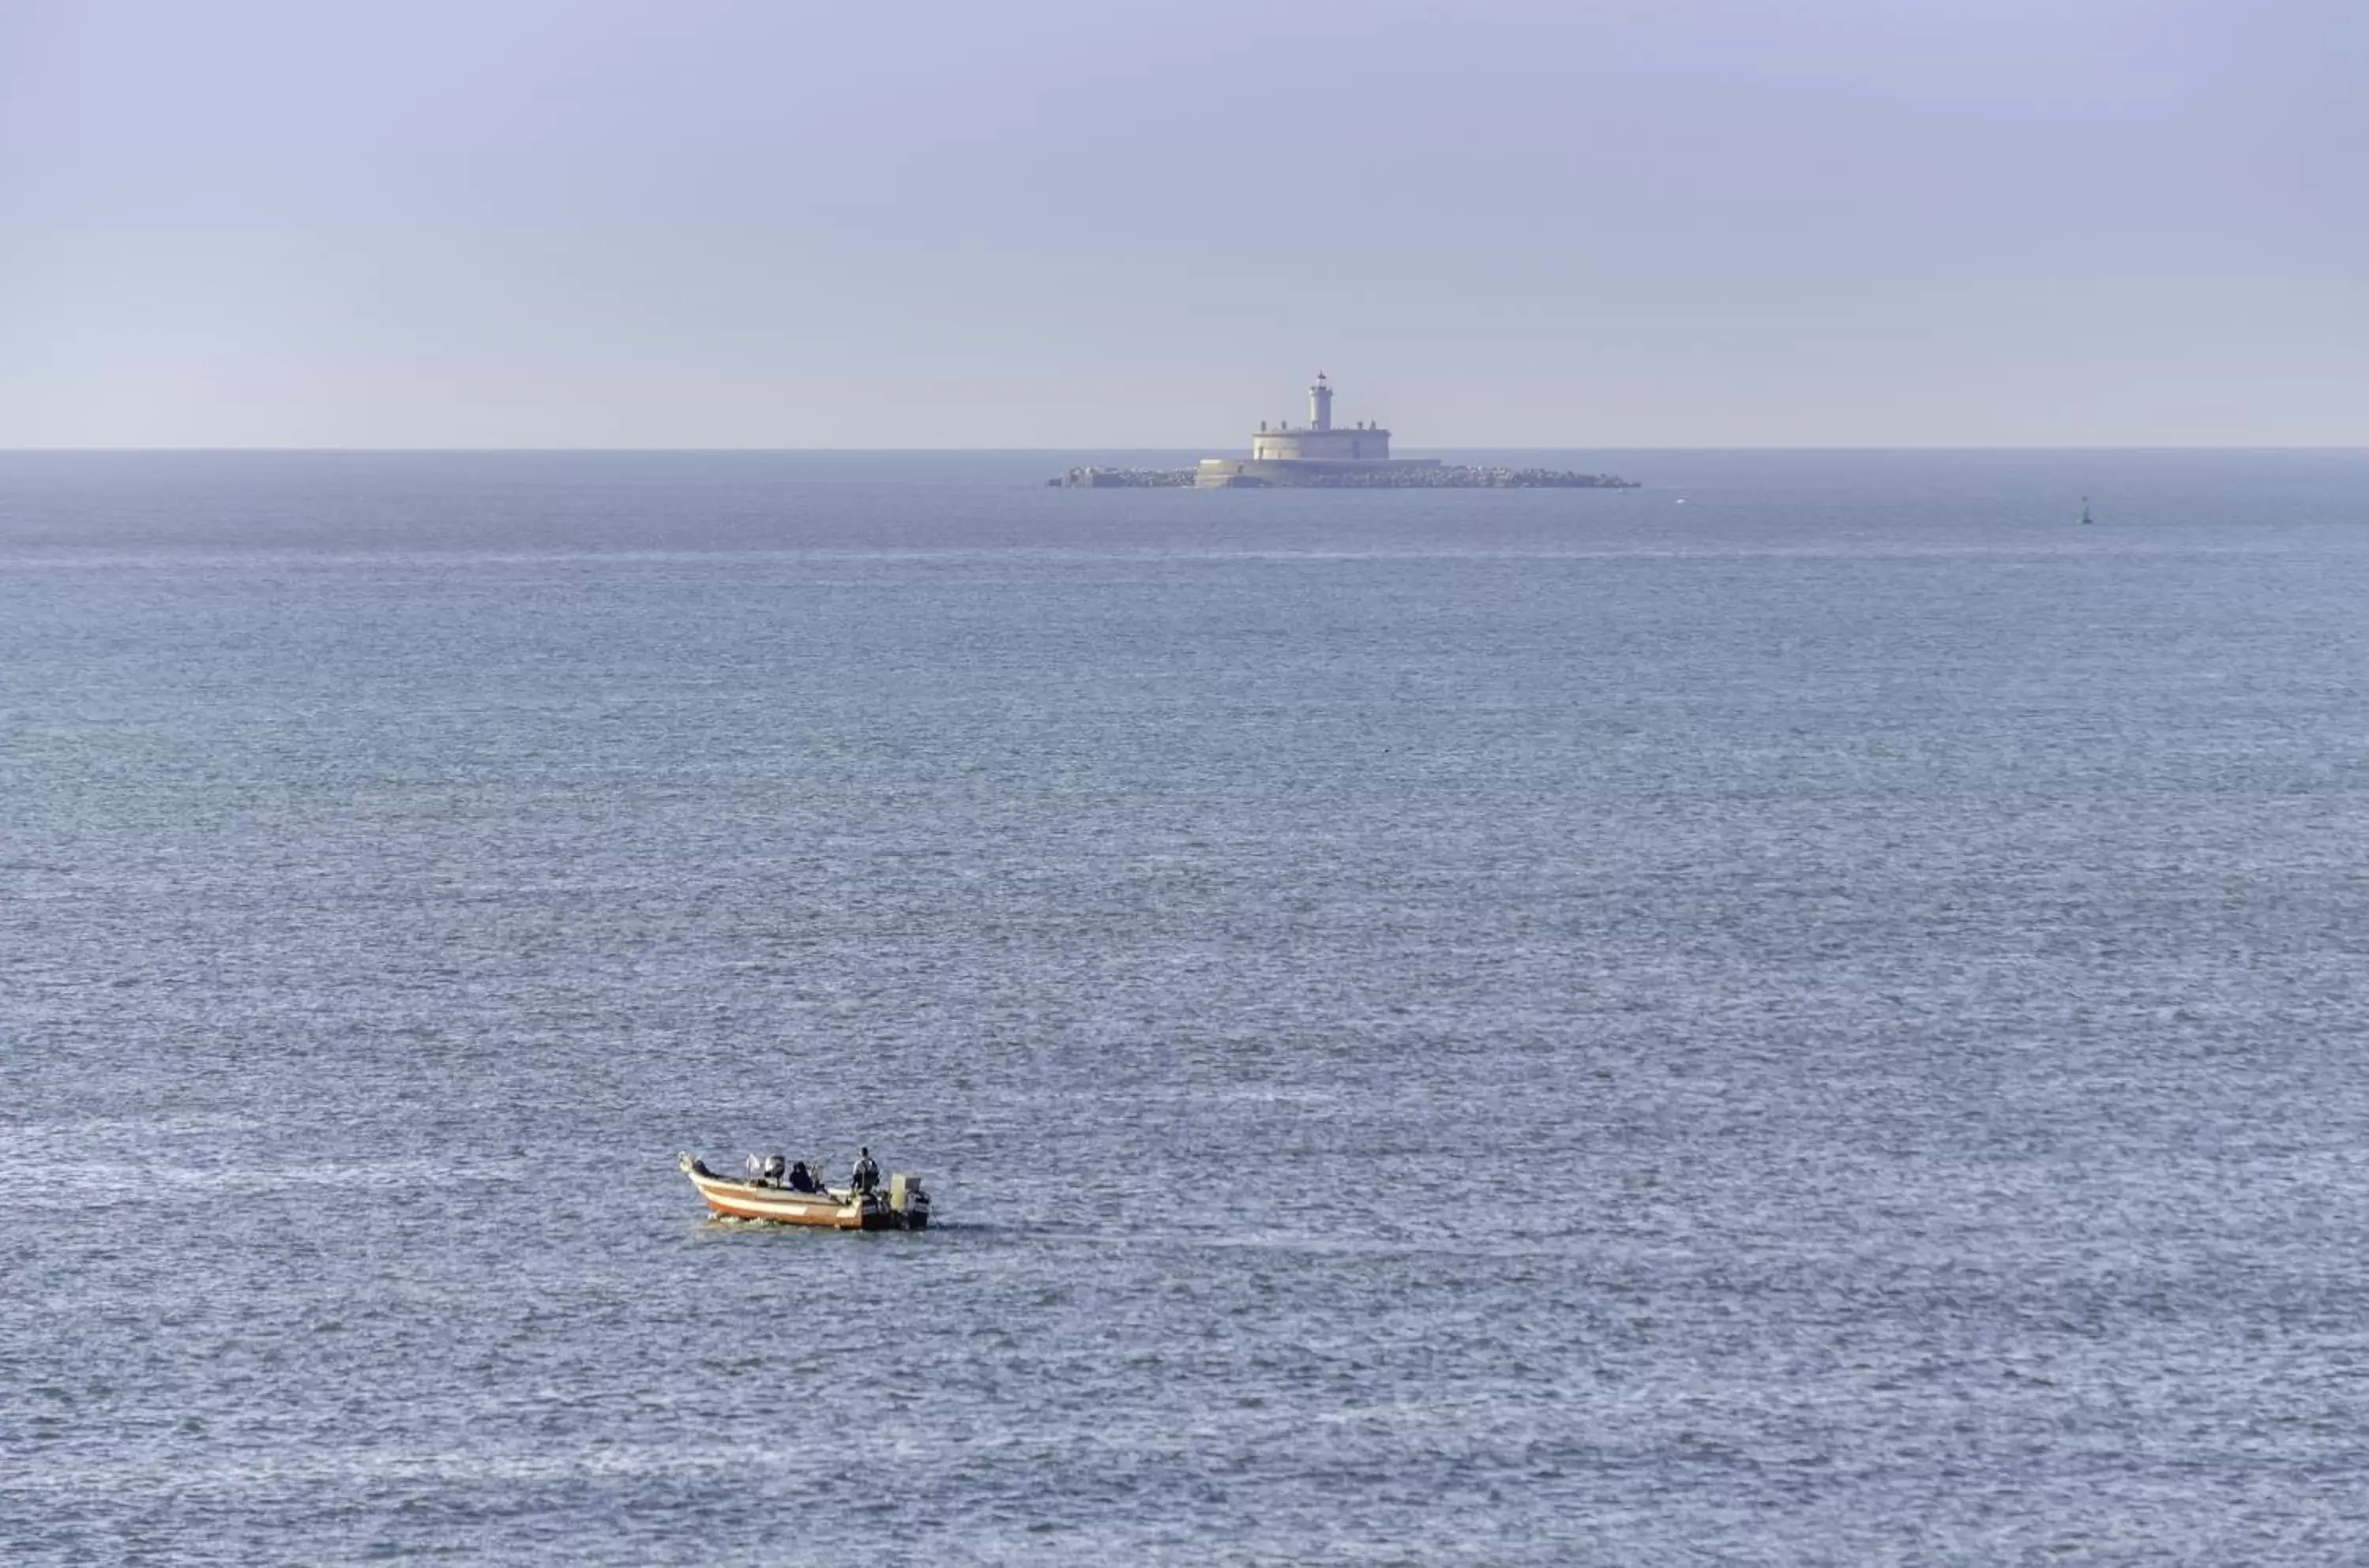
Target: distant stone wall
[(1320, 446), (1219, 471)]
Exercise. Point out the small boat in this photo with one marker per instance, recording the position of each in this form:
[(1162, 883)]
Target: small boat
[(901, 1205)]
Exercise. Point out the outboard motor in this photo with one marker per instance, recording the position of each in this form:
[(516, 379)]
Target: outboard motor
[(908, 1201)]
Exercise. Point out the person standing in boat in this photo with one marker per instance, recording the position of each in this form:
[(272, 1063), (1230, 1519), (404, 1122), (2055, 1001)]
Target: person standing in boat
[(867, 1174)]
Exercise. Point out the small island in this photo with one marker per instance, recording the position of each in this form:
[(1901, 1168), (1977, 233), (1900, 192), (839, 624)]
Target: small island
[(1320, 457)]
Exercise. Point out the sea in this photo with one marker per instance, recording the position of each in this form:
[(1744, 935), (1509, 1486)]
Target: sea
[(1813, 1011)]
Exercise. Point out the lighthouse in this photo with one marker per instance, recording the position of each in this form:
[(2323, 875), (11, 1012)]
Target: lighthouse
[(1319, 441), (1282, 453)]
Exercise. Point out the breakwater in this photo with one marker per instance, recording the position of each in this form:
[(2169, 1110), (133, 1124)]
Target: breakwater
[(1444, 476), (1123, 479)]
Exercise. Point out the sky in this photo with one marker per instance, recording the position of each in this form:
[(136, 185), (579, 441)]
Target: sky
[(1089, 223)]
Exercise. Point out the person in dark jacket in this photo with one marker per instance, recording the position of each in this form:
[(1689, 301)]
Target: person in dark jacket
[(867, 1174), (802, 1180)]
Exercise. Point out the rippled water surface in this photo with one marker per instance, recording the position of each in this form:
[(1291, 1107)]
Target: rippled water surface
[(1813, 1012)]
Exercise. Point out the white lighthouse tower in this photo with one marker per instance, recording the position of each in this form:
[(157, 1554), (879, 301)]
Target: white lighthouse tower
[(1320, 403)]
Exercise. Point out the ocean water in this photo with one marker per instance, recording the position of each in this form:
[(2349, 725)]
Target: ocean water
[(1813, 1011)]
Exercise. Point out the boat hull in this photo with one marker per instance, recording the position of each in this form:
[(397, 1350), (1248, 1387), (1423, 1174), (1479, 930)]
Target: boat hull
[(833, 1209)]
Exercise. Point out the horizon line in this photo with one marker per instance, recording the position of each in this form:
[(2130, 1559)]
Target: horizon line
[(328, 451)]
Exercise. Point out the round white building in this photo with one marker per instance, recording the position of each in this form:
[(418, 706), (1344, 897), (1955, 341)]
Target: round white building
[(1283, 451), (1318, 441)]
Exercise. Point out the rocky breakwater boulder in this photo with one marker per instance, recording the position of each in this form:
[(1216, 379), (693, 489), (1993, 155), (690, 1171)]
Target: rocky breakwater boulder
[(1123, 479), (1444, 476), (1460, 477)]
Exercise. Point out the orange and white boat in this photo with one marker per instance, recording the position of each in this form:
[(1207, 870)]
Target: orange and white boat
[(902, 1204)]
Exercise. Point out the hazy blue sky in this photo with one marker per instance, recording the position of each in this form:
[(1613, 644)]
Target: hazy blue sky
[(1055, 223)]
